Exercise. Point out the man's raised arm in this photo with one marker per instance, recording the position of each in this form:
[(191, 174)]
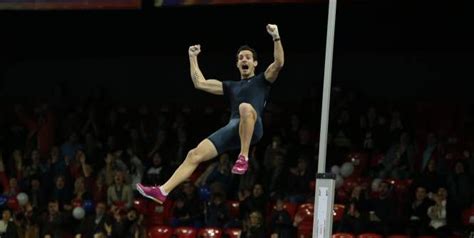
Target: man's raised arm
[(210, 85), (272, 71)]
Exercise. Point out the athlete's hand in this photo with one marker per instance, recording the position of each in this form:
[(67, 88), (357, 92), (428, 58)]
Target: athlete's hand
[(273, 31), (194, 50)]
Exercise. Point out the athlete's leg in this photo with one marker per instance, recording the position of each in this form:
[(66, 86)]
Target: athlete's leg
[(248, 117), (203, 152)]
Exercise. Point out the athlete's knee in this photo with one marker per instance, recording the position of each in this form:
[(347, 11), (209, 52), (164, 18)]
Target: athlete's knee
[(246, 110), (194, 156)]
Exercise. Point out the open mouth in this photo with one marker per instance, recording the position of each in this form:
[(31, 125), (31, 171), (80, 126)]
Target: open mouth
[(245, 67)]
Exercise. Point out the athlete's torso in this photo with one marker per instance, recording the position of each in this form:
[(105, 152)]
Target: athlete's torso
[(254, 91)]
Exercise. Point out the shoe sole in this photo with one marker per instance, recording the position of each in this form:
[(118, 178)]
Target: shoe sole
[(148, 196), (238, 172)]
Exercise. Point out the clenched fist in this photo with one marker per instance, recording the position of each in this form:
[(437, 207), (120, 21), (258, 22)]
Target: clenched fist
[(273, 31), (194, 50)]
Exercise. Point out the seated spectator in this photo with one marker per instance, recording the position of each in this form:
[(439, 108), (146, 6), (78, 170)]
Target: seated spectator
[(417, 213), (217, 213), (355, 213), (438, 214), (119, 193), (281, 223), (255, 227)]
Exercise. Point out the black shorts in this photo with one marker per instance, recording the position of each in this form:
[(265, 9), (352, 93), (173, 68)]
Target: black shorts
[(228, 138)]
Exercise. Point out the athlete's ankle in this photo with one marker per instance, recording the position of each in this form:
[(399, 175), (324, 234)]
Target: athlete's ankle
[(246, 156), (163, 191)]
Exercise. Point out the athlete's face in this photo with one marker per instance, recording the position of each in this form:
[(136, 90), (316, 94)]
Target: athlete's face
[(246, 63)]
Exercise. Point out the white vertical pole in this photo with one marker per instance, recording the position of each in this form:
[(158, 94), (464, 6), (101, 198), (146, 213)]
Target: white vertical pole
[(325, 183), (327, 86)]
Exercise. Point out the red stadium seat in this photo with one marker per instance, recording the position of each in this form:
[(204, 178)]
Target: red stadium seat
[(349, 183), (185, 232), (343, 235), (306, 210), (158, 214), (312, 185), (289, 207), (305, 230), (233, 232), (398, 236), (210, 233), (141, 205), (360, 162), (468, 217), (369, 235), (401, 186), (234, 208), (160, 232), (338, 212)]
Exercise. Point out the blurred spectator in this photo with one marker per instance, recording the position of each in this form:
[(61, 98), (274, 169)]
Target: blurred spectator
[(8, 228), (281, 223), (120, 194), (417, 212)]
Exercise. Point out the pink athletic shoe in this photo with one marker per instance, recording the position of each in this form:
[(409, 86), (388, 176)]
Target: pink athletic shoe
[(153, 192), (240, 166)]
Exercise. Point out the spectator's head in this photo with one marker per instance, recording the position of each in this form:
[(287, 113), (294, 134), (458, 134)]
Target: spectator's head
[(459, 167), (35, 156), (17, 155), (54, 154), (257, 190), (420, 193), (53, 207), (442, 193), (13, 183), (60, 182), (100, 235), (431, 166), (119, 178), (110, 157), (224, 160), (79, 185), (179, 202), (255, 219), (302, 164), (276, 142), (280, 204), (217, 198), (156, 159), (6, 215), (35, 183), (188, 188), (356, 191), (100, 208), (384, 189)]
